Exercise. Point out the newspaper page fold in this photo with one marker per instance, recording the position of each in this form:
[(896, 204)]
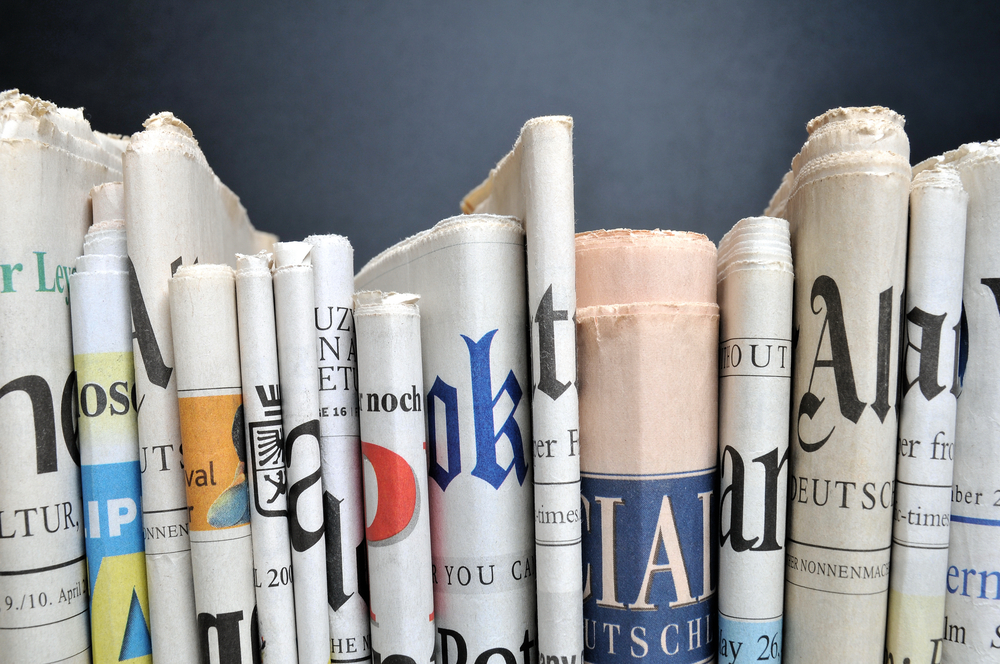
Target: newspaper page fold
[(755, 383), (395, 477), (177, 212), (294, 313), (210, 396), (109, 438), (49, 161), (648, 331), (469, 273), (340, 445), (266, 474), (848, 216), (534, 183), (972, 582)]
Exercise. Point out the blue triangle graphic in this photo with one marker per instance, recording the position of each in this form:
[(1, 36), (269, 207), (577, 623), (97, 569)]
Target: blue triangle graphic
[(136, 641)]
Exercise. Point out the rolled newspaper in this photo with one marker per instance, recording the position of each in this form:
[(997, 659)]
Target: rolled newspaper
[(49, 161), (266, 476), (755, 383), (534, 183), (294, 312), (972, 605), (395, 477), (848, 215), (109, 438), (210, 395), (925, 452), (340, 446), (648, 331), (469, 272), (177, 213)]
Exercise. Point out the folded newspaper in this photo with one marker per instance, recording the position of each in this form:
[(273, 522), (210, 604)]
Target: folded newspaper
[(177, 212), (469, 272), (49, 161)]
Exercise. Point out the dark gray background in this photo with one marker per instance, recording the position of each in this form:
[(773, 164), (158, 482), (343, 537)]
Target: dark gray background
[(373, 119)]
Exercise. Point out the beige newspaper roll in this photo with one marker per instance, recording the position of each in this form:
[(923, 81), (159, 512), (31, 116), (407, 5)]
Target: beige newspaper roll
[(648, 333), (340, 445), (294, 313), (210, 400), (177, 213), (49, 160), (109, 438), (755, 383), (395, 477), (469, 272), (972, 582), (534, 183), (266, 475), (848, 214), (926, 440)]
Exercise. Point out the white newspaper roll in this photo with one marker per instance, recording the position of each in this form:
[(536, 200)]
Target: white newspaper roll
[(848, 215), (972, 605), (210, 399), (395, 477), (177, 213), (469, 272), (926, 440), (49, 160), (755, 383), (109, 438), (340, 445), (648, 327), (534, 183), (294, 311), (266, 476)]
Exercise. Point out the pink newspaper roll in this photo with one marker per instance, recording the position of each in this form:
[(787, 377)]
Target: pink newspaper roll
[(647, 332)]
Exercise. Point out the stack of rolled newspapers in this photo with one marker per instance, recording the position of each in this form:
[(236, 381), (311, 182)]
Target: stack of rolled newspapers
[(499, 442)]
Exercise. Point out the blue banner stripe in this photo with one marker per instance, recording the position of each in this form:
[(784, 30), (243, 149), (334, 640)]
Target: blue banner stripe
[(974, 521)]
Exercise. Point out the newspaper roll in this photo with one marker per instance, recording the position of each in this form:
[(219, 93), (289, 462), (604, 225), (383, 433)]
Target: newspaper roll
[(210, 396), (926, 440), (469, 272), (395, 477), (267, 482), (177, 213), (340, 446), (534, 182), (49, 160), (848, 214), (648, 332), (972, 605), (294, 311), (755, 383), (109, 438)]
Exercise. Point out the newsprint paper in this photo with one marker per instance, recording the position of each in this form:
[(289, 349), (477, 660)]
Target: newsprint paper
[(395, 477), (848, 215), (534, 183), (469, 273), (972, 605), (294, 313), (49, 160), (755, 385), (926, 445), (340, 446), (648, 332), (177, 212), (210, 396), (266, 474), (109, 438)]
